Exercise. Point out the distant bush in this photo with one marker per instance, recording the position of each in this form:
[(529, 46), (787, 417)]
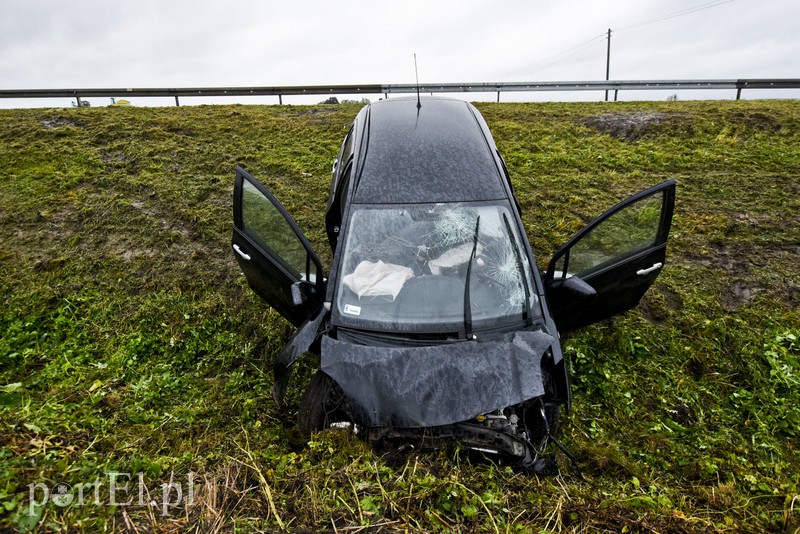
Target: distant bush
[(334, 100)]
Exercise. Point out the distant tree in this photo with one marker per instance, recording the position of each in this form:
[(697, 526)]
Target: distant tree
[(331, 100), (362, 101), (672, 98)]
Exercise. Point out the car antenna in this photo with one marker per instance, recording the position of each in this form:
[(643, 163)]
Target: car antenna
[(416, 73)]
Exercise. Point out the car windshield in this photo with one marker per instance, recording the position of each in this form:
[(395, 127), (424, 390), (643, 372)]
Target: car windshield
[(406, 268)]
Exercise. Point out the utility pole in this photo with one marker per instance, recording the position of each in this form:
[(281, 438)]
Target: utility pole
[(608, 59)]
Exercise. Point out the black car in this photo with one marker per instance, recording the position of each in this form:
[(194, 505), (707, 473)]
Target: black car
[(434, 323)]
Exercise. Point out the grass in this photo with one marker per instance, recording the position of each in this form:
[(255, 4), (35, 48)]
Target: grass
[(130, 343)]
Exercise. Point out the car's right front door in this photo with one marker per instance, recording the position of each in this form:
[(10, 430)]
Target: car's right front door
[(606, 268)]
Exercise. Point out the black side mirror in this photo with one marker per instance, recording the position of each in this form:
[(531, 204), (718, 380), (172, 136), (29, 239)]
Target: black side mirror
[(567, 299), (300, 292), (565, 292)]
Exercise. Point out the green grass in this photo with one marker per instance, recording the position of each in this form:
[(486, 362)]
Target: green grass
[(130, 343)]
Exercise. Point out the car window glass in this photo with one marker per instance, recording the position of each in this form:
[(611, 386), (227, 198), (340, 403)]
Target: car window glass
[(347, 146), (344, 154), (341, 194), (406, 266), (623, 234), (265, 224)]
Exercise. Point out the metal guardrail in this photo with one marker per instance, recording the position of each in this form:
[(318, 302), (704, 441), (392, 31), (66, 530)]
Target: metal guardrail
[(387, 89)]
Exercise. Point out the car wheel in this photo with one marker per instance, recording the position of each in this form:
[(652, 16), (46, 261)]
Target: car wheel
[(537, 428), (321, 405)]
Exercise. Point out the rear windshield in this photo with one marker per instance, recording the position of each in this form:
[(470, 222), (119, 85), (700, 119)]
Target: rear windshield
[(405, 268)]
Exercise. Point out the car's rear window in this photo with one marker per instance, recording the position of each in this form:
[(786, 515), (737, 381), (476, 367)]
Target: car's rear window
[(405, 267)]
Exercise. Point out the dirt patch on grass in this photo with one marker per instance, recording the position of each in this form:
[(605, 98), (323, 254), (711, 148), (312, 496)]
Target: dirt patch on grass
[(744, 263), (733, 259), (312, 111), (739, 294), (60, 122), (789, 294), (118, 160), (759, 122), (659, 303), (631, 126)]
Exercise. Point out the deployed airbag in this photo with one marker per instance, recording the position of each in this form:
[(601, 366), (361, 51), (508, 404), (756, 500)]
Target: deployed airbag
[(407, 387), (377, 279), (454, 257)]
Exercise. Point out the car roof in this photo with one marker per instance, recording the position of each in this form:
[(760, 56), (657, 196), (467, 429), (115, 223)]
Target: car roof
[(436, 153)]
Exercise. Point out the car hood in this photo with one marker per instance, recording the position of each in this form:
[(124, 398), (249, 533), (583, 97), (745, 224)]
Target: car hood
[(407, 387)]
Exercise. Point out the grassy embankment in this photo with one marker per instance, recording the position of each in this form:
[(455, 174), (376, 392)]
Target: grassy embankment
[(130, 343)]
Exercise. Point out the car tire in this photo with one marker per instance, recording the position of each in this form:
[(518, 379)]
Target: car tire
[(321, 405), (536, 424)]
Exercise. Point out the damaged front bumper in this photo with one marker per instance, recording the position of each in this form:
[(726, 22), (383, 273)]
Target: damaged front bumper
[(473, 436), (422, 387)]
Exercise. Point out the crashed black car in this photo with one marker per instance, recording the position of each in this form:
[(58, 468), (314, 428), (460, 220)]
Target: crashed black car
[(434, 324)]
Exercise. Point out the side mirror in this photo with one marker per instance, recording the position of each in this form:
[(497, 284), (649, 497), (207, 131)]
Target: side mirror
[(565, 292), (300, 292)]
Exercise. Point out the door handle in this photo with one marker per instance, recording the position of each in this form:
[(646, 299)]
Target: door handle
[(642, 272), (246, 256)]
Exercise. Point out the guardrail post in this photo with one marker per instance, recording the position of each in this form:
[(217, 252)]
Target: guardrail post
[(280, 100), (738, 93), (177, 103)]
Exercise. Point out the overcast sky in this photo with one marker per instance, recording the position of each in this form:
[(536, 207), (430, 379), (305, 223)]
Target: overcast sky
[(163, 43)]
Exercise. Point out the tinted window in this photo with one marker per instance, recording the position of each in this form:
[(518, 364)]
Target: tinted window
[(263, 223), (622, 235), (347, 146)]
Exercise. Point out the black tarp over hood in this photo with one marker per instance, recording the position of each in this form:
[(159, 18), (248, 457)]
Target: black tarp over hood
[(407, 387)]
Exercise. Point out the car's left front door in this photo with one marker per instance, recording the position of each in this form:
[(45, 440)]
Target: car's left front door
[(274, 255)]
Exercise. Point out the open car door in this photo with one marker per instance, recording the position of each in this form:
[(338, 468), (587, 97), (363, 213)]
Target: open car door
[(273, 253), (607, 266)]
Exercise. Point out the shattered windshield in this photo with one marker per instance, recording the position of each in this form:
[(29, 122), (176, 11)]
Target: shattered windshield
[(406, 267)]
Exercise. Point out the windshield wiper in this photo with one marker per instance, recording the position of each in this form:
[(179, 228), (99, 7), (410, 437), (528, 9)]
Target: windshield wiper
[(525, 315), (467, 305)]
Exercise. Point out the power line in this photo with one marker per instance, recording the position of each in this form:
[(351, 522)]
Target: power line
[(560, 56), (577, 49), (680, 13), (687, 11)]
